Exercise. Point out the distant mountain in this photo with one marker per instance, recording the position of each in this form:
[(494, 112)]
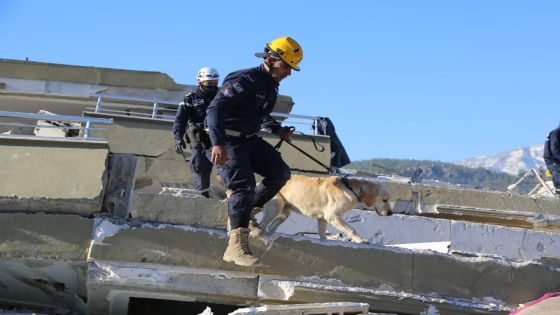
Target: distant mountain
[(511, 162), (481, 178)]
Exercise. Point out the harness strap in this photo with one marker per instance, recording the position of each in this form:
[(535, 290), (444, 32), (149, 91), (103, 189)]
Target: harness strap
[(345, 182)]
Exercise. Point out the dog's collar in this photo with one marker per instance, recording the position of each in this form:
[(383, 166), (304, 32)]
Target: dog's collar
[(346, 183)]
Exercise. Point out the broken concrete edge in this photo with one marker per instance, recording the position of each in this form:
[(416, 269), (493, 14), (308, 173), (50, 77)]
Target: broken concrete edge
[(58, 286), (56, 141), (73, 206), (43, 236), (327, 308), (285, 240), (179, 208), (34, 70), (25, 308), (270, 287), (121, 170), (120, 272), (107, 227), (414, 198), (111, 284)]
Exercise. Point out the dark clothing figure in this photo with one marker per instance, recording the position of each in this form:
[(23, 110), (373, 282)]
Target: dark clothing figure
[(339, 157), (238, 112), (552, 157), (248, 156), (190, 120), (243, 105)]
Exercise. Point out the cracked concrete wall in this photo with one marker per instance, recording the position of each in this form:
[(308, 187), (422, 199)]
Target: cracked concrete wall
[(110, 286), (167, 170), (420, 198), (51, 285), (138, 136), (44, 236), (154, 139), (272, 290), (43, 260), (191, 209), (347, 264), (464, 237), (50, 176), (513, 243), (118, 194), (89, 75)]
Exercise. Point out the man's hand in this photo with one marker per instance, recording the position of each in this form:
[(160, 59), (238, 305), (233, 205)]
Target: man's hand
[(219, 155), (285, 133), (180, 145)]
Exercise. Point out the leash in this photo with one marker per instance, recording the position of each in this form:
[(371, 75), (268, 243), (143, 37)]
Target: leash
[(292, 128)]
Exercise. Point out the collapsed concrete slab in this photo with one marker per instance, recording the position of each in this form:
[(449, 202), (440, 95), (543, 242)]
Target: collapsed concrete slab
[(120, 184), (42, 236), (271, 290), (154, 247), (310, 308), (467, 238), (112, 284), (52, 176), (179, 209), (153, 138), (167, 170), (50, 285), (43, 261), (512, 243), (420, 198)]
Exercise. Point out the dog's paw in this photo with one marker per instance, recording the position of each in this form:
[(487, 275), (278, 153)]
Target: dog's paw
[(256, 232), (357, 238), (362, 241)]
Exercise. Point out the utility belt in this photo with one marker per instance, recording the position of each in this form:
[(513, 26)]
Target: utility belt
[(198, 137), (239, 134)]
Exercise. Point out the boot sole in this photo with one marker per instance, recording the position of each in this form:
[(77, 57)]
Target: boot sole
[(256, 263)]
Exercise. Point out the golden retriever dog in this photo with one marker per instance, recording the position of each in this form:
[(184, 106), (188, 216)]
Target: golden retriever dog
[(326, 199)]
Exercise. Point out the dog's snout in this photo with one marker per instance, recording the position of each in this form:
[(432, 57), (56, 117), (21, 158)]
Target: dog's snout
[(385, 210)]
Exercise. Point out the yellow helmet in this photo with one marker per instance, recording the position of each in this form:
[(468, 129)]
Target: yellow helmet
[(287, 49)]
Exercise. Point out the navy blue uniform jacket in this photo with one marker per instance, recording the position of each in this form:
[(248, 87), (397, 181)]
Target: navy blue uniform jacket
[(191, 110), (243, 104), (552, 145)]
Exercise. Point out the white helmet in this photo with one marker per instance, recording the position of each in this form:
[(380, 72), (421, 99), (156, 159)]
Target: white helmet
[(206, 74)]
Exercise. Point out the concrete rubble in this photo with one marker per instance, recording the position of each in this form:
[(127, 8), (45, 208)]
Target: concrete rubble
[(112, 227), (50, 176)]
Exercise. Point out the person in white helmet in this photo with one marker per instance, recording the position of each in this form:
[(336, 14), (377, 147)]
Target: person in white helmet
[(190, 121)]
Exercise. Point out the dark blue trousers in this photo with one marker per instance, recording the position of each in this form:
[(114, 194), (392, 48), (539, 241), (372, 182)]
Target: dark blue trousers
[(247, 156), (201, 168)]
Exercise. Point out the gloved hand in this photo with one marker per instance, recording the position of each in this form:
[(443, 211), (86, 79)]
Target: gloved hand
[(285, 133), (180, 145)]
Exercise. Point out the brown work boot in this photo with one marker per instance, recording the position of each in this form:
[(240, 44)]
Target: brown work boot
[(238, 248), (254, 228)]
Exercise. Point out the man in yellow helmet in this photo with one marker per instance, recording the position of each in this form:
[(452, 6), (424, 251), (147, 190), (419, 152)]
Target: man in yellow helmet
[(239, 111)]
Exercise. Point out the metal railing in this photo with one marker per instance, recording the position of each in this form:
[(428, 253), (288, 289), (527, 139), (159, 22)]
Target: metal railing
[(61, 122), (540, 183), (166, 110)]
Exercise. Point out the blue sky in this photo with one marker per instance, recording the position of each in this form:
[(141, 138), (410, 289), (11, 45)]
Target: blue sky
[(441, 80)]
